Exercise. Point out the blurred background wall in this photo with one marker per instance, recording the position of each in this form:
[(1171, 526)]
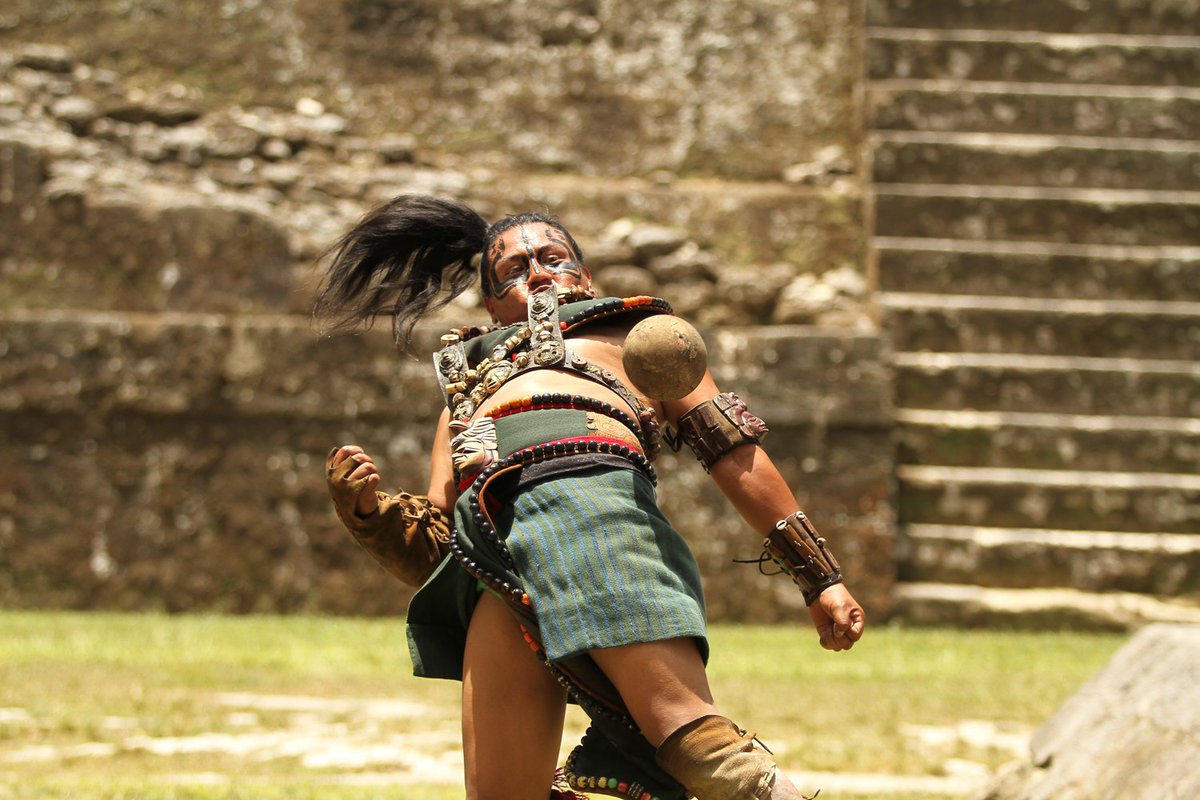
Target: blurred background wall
[(947, 250)]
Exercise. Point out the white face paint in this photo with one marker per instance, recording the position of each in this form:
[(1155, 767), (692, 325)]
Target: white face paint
[(526, 258)]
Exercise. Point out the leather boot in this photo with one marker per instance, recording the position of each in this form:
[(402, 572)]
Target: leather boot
[(716, 760)]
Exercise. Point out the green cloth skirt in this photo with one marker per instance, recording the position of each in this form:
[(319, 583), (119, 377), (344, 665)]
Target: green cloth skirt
[(601, 564)]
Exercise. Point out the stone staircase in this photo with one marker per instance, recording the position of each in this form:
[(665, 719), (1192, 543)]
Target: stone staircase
[(1037, 248)]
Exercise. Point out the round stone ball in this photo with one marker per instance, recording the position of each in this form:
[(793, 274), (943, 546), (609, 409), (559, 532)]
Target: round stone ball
[(665, 357)]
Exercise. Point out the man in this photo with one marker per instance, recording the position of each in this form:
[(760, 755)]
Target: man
[(559, 577)]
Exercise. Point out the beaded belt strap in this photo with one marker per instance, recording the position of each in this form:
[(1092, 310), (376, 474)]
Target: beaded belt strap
[(475, 446), (590, 444), (576, 402), (647, 419), (562, 400)]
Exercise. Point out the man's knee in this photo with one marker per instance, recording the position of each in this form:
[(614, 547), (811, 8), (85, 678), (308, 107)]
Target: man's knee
[(716, 760)]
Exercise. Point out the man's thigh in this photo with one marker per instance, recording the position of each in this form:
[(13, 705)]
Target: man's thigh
[(663, 683), (512, 714)]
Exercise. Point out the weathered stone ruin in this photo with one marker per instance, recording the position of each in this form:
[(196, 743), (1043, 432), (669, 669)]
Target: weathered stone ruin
[(946, 249), (159, 244)]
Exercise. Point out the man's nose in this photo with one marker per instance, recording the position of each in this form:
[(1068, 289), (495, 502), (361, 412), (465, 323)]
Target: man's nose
[(538, 273)]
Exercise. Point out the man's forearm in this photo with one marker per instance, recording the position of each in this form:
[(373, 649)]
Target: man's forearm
[(759, 493), (406, 534), (753, 485)]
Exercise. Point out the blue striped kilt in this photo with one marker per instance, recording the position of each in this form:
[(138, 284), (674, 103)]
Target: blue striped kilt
[(601, 563), (602, 566)]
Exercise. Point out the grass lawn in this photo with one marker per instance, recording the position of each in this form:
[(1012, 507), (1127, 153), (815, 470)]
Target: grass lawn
[(189, 707)]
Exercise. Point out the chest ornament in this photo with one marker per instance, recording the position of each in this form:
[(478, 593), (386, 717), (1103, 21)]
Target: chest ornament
[(474, 446), (538, 342)]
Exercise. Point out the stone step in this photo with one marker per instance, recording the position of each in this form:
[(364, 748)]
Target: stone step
[(1048, 441), (1003, 55), (1080, 216), (1029, 558), (1059, 499), (1059, 16), (965, 606), (1048, 384), (1145, 112), (1037, 269), (982, 159), (992, 324)]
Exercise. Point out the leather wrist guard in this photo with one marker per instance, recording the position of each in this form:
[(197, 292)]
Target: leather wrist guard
[(717, 426), (796, 547), (407, 535)]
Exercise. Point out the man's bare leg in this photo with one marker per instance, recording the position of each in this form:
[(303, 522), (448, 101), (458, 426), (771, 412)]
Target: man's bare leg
[(665, 687), (662, 683), (512, 710)]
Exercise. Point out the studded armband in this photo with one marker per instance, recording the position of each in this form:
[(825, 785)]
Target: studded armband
[(717, 426), (796, 547)]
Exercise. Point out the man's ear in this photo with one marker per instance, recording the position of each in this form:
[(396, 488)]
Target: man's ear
[(491, 309)]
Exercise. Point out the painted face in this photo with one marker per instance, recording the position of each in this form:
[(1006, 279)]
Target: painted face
[(526, 258)]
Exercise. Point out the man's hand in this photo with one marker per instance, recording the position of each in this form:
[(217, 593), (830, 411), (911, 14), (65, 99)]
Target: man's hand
[(359, 476), (406, 534), (840, 620)]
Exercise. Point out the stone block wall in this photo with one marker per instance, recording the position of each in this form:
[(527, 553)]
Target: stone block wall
[(166, 405), (176, 461)]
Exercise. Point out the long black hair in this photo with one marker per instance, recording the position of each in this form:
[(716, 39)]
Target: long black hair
[(405, 258), (409, 257)]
